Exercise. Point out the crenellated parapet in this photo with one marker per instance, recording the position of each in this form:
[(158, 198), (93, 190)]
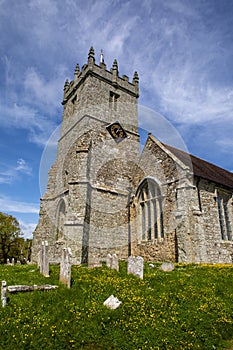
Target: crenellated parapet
[(100, 72)]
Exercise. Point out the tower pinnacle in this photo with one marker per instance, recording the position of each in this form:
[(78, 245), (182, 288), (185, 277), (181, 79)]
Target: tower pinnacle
[(91, 56), (101, 56)]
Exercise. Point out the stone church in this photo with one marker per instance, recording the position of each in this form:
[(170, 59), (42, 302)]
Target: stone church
[(105, 196)]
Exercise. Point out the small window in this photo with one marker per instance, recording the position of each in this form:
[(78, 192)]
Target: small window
[(113, 99), (150, 206), (224, 217), (66, 178)]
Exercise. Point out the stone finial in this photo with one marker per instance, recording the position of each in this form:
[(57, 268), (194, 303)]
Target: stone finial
[(91, 56), (114, 72), (77, 71), (115, 65), (136, 78), (67, 84), (136, 82)]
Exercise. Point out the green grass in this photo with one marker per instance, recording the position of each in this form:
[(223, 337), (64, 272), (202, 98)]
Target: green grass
[(189, 308)]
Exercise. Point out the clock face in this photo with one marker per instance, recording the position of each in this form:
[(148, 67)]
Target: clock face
[(116, 131)]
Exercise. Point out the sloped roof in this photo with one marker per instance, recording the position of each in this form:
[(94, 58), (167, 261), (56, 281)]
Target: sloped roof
[(204, 169)]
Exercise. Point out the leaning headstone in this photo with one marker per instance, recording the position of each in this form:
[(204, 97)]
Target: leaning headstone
[(13, 261), (135, 266), (44, 259), (3, 293), (115, 262), (109, 260), (167, 266), (112, 303), (40, 257), (65, 267)]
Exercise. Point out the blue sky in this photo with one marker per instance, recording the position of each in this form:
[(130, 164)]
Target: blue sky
[(182, 50)]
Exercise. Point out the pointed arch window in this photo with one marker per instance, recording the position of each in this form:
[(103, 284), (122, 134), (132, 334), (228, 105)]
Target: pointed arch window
[(223, 201), (150, 208)]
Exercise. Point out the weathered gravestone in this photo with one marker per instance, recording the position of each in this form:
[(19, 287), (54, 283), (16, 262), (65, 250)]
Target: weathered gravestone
[(109, 261), (44, 259), (65, 267), (135, 266), (112, 303), (115, 262), (112, 262), (21, 288), (167, 266), (3, 293)]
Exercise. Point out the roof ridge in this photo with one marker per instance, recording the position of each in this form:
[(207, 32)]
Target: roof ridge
[(202, 168), (198, 158)]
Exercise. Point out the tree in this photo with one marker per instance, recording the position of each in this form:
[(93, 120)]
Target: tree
[(9, 237)]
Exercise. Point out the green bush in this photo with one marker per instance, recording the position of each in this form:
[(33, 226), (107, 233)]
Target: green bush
[(189, 308)]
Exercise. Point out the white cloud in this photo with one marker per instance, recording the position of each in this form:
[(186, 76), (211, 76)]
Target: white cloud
[(8, 205), (27, 229), (180, 7), (179, 54), (28, 118), (192, 100), (226, 144), (23, 167), (44, 7), (182, 69), (43, 93), (11, 173)]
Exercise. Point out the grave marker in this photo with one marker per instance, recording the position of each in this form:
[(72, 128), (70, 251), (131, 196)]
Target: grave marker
[(3, 293), (44, 259), (135, 266), (112, 303), (115, 262), (65, 267)]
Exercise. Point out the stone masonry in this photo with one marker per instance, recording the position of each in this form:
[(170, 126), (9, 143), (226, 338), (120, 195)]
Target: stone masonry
[(103, 197)]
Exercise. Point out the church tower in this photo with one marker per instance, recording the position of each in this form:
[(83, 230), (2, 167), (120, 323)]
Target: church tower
[(86, 205)]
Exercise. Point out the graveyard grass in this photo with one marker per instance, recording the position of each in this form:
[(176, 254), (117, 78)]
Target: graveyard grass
[(188, 308)]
